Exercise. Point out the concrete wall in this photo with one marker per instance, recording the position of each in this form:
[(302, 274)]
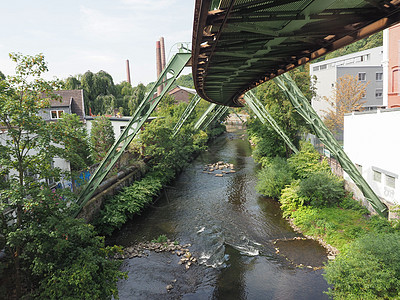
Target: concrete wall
[(371, 141)]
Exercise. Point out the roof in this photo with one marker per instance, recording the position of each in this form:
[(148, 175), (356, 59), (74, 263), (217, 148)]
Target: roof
[(177, 88), (240, 44), (70, 98)]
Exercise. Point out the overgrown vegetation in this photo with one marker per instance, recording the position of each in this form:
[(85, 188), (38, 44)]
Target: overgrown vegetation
[(316, 202), (168, 157), (49, 255)]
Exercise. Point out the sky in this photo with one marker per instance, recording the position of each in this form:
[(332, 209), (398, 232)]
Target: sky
[(77, 36)]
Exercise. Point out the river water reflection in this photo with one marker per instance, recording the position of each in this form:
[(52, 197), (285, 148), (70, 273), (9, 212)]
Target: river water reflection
[(231, 229)]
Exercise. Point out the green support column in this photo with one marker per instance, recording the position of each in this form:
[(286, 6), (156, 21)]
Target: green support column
[(188, 111), (146, 107), (215, 116), (204, 116), (258, 108), (303, 107)]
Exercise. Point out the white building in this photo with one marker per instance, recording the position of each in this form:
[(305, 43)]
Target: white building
[(328, 71), (372, 142)]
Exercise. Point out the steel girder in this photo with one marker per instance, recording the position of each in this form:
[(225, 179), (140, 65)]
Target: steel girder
[(303, 107), (188, 111), (146, 107), (215, 116), (238, 45), (204, 116), (264, 116)]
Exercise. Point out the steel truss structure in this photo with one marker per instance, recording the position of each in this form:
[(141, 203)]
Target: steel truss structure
[(146, 107), (255, 104), (303, 107)]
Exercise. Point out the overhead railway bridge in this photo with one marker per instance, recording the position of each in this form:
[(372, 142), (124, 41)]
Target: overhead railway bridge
[(239, 44)]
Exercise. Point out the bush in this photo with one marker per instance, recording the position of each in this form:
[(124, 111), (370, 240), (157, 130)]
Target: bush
[(321, 189), (307, 162), (370, 269), (290, 199), (274, 177)]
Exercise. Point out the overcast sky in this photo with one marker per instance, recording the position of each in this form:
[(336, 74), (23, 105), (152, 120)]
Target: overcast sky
[(76, 36)]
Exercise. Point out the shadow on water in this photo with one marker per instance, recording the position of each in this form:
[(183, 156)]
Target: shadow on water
[(231, 229)]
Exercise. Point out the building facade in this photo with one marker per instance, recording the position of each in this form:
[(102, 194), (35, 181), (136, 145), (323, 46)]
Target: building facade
[(327, 72), (373, 148)]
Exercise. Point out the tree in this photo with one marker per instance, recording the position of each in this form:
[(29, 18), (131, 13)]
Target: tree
[(281, 109), (47, 246), (70, 133), (348, 93), (2, 77), (26, 151), (101, 137)]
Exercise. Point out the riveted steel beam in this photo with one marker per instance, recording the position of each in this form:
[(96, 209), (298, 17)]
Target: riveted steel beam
[(146, 107), (188, 111), (264, 116), (303, 107)]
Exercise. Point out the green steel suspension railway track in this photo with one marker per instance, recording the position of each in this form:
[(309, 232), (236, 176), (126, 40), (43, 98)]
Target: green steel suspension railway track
[(239, 44)]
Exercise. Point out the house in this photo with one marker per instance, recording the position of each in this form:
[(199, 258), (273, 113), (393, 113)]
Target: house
[(70, 102), (391, 38), (182, 94), (366, 65)]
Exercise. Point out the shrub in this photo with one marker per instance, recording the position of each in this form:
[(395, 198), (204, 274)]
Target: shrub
[(274, 177), (322, 189), (307, 162), (370, 269), (290, 199)]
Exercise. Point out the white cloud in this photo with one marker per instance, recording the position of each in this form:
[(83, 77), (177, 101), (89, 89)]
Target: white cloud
[(99, 24), (149, 5)]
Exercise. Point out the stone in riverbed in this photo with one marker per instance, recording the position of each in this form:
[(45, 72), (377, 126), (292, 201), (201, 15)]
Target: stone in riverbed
[(219, 175)]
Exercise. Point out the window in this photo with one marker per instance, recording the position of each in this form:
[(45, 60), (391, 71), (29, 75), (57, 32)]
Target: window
[(378, 93), (316, 68), (362, 76), (121, 129), (322, 67), (56, 114), (377, 176), (378, 76), (390, 181)]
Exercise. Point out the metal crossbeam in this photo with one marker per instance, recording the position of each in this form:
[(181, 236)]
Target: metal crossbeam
[(188, 111), (237, 115), (303, 107), (258, 108), (146, 107), (203, 117), (216, 115)]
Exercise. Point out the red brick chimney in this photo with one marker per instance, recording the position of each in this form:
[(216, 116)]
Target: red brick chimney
[(162, 47)]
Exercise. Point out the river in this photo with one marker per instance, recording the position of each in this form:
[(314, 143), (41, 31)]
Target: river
[(231, 229)]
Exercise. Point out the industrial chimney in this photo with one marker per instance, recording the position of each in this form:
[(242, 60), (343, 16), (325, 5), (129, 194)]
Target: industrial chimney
[(158, 64), (162, 47), (128, 72)]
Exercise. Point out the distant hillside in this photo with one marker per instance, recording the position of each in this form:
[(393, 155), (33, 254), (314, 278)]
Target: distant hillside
[(372, 41), (183, 80)]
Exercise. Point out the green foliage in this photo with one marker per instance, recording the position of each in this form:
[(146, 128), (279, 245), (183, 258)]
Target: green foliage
[(370, 269), (307, 162), (71, 133), (130, 201), (290, 199), (321, 189), (55, 256), (101, 137), (274, 177), (185, 80), (372, 41), (161, 239)]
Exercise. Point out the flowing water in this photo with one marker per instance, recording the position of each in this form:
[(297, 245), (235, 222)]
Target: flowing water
[(231, 229)]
